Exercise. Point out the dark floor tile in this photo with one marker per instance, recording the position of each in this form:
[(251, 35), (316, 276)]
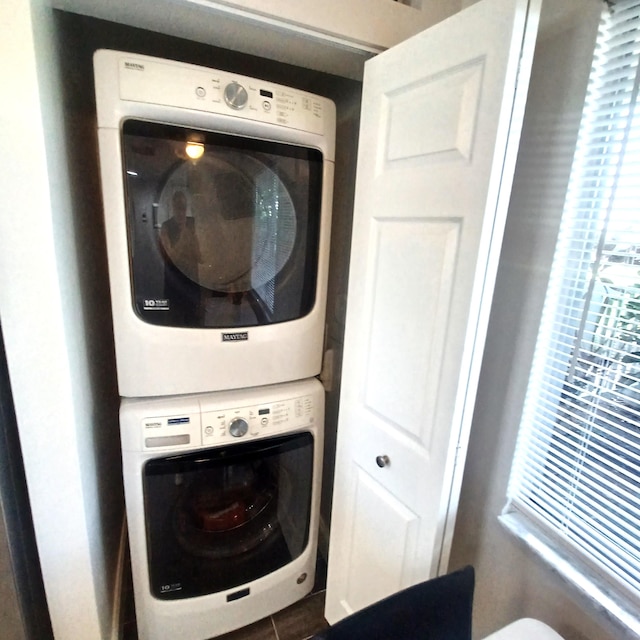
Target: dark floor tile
[(261, 630), (302, 619)]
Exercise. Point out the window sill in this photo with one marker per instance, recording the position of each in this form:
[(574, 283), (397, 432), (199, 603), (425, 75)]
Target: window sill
[(599, 594)]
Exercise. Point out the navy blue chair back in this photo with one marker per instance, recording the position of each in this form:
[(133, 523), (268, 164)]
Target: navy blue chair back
[(438, 609)]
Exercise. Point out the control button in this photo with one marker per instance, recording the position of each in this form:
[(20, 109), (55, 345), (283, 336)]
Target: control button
[(208, 430), (236, 96), (266, 105), (264, 421), (238, 427), (200, 92)]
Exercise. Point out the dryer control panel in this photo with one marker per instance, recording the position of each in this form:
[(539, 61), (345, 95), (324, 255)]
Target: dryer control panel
[(173, 84)]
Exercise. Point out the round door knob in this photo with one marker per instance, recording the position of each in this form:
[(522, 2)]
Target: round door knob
[(238, 427), (236, 96), (383, 461)]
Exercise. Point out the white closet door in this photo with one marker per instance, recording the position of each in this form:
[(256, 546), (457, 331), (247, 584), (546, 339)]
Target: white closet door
[(441, 119)]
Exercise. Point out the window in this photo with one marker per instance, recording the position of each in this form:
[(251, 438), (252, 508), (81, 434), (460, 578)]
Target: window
[(577, 465)]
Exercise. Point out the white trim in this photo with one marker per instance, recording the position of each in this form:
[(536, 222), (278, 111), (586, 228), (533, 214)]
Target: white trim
[(593, 588)]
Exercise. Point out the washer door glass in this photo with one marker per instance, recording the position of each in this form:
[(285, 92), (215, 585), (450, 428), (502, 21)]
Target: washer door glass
[(223, 231), (223, 517)]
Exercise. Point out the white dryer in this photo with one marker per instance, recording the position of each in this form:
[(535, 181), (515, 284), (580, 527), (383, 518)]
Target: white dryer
[(222, 495), (217, 194)]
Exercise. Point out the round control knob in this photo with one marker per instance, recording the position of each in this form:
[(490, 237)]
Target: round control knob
[(238, 427), (236, 96)]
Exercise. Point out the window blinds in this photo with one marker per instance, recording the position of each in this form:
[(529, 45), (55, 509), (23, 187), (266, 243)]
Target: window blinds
[(577, 463)]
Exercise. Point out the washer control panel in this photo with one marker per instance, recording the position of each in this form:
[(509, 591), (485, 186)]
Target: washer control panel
[(241, 423), (170, 431), (213, 425)]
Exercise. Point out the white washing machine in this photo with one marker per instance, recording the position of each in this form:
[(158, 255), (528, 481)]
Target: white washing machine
[(222, 496), (217, 193)]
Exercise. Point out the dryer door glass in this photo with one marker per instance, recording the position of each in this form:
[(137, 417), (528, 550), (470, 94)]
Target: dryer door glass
[(223, 230), (223, 517)]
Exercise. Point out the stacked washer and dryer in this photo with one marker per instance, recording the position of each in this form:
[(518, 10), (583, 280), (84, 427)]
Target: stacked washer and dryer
[(217, 191)]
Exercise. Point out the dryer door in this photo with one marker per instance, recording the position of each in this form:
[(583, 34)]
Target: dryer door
[(223, 230)]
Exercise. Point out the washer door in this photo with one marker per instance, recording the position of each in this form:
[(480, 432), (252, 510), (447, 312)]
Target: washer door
[(225, 239), (223, 517)]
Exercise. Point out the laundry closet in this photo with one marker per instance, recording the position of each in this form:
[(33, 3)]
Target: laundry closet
[(244, 524)]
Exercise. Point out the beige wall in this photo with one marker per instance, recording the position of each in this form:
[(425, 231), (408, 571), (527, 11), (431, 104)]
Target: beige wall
[(511, 581)]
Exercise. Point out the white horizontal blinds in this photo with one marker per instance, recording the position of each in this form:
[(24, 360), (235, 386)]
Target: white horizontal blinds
[(577, 464)]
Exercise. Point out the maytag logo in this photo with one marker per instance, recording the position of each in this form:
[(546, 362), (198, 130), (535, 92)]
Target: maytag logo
[(134, 65), (238, 336)]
